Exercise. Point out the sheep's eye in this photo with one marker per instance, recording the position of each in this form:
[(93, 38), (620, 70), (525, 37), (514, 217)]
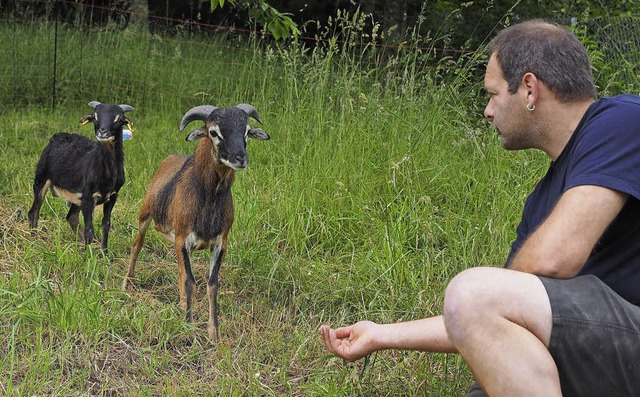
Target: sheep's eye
[(215, 133)]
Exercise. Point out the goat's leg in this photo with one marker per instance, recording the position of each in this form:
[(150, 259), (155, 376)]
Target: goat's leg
[(87, 214), (40, 187), (218, 250), (106, 219), (144, 220), (185, 277), (73, 218)]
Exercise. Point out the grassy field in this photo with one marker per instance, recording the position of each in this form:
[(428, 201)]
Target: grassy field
[(377, 187)]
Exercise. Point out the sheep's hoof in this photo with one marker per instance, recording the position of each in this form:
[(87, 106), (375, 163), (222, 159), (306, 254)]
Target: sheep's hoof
[(214, 335), (127, 285)]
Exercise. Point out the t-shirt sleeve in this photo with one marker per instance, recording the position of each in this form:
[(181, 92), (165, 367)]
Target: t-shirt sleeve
[(608, 154)]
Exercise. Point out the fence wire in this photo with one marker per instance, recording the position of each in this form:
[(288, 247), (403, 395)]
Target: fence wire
[(62, 67)]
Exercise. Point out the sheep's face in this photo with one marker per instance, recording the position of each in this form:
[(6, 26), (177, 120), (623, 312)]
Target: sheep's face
[(228, 130), (108, 120)]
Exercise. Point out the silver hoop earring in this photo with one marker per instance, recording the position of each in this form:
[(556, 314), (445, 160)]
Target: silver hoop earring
[(531, 108)]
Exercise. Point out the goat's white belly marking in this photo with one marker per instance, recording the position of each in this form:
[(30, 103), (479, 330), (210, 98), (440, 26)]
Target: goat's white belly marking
[(171, 236), (192, 242), (76, 197), (66, 195), (196, 243), (97, 196)]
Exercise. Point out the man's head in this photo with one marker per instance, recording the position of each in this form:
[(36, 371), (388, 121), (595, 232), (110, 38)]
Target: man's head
[(551, 52), (538, 79)]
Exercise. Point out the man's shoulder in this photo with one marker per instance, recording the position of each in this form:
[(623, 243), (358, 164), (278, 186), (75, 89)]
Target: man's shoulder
[(615, 113), (618, 101)]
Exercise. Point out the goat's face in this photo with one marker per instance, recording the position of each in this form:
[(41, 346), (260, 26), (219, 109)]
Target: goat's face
[(228, 130), (108, 120)]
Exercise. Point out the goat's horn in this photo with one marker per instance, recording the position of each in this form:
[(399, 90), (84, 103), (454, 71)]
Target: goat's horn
[(93, 104), (197, 113), (126, 108), (250, 110)]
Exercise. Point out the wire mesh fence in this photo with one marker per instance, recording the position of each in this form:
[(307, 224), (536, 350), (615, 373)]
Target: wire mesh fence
[(60, 51), (617, 55)]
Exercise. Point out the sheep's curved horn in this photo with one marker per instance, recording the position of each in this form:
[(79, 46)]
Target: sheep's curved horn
[(93, 104), (126, 108), (197, 113), (250, 110)]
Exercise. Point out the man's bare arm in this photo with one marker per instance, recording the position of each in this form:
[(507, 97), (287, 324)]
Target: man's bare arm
[(563, 242), (365, 337)]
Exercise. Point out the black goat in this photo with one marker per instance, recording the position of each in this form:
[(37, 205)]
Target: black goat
[(83, 172), (189, 197)]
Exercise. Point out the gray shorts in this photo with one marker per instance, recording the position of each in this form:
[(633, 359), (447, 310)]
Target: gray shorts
[(595, 339)]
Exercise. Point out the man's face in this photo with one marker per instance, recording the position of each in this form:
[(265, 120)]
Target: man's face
[(507, 111)]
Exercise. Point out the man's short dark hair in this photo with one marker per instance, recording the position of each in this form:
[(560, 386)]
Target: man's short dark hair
[(551, 52)]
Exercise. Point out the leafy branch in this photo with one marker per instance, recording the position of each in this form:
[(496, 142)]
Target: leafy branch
[(280, 25)]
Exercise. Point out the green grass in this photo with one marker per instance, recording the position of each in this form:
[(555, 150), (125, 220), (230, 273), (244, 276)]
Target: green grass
[(377, 187)]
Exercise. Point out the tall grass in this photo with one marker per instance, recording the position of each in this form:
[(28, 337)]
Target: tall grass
[(380, 183)]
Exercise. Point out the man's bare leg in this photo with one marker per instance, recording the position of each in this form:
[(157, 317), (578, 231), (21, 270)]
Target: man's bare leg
[(500, 322)]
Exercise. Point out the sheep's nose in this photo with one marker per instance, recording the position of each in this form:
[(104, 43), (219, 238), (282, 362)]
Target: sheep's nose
[(103, 133), (241, 160)]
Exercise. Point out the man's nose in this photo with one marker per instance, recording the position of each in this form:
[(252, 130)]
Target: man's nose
[(488, 111)]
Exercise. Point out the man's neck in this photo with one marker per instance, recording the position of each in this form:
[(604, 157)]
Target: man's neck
[(563, 120)]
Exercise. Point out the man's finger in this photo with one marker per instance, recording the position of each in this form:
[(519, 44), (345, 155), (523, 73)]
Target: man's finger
[(343, 332), (325, 334)]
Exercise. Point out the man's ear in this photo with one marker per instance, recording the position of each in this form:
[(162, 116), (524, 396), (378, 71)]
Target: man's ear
[(531, 84)]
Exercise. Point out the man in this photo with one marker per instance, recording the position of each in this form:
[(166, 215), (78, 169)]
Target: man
[(563, 317)]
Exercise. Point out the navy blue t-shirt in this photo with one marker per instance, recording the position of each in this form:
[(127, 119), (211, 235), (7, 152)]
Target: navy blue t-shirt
[(604, 151)]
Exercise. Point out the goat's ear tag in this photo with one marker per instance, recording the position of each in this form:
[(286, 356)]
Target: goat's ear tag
[(84, 121), (130, 125)]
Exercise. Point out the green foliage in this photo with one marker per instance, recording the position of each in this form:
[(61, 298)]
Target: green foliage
[(280, 25), (614, 51)]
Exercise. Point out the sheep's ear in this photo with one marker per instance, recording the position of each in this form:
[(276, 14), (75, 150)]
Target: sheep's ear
[(86, 119), (196, 134), (258, 133)]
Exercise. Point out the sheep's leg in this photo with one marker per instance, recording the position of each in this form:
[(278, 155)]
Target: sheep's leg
[(106, 219), (40, 187), (87, 214), (73, 218), (185, 277), (218, 250), (144, 220)]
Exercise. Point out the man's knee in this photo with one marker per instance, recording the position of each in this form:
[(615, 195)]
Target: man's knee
[(467, 296), (478, 296)]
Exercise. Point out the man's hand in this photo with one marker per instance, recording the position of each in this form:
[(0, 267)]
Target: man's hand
[(353, 342)]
